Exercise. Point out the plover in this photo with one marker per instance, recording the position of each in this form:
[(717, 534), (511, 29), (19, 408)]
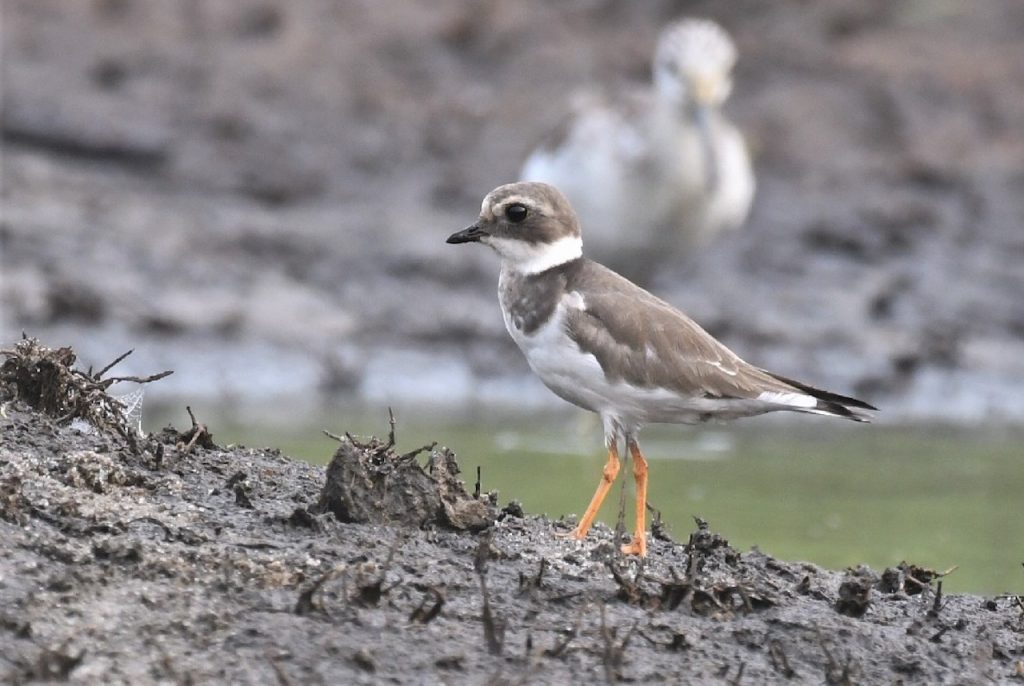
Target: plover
[(660, 171), (607, 345)]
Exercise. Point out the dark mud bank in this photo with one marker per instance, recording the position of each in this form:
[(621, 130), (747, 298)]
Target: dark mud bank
[(169, 558)]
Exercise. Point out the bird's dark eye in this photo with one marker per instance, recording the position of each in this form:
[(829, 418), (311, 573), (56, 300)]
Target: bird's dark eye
[(516, 212)]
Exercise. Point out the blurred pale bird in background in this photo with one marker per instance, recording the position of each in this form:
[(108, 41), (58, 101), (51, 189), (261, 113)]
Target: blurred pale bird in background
[(661, 171)]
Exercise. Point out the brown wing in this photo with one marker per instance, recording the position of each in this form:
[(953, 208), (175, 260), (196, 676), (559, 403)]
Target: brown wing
[(644, 341)]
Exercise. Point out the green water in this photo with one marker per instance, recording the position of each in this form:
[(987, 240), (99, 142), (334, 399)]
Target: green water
[(820, 491)]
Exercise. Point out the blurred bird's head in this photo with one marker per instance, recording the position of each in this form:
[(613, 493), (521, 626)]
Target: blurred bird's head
[(693, 64)]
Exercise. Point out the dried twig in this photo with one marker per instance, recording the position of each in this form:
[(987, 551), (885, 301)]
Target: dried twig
[(98, 375), (494, 628), (199, 435), (560, 646), (135, 379), (937, 603), (659, 530), (423, 614), (307, 599), (614, 654), (629, 588), (371, 592), (836, 673), (620, 521), (779, 660), (47, 380), (413, 453), (282, 678), (391, 428)]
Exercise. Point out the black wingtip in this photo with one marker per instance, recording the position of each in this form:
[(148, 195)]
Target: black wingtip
[(839, 410), (834, 403)]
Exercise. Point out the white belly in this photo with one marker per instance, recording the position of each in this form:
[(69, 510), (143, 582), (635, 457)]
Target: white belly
[(577, 377), (554, 357)]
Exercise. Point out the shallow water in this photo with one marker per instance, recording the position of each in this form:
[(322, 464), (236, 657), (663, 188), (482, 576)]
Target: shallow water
[(823, 491)]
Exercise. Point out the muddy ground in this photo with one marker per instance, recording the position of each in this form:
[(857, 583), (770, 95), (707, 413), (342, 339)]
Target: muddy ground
[(241, 187), (167, 558)]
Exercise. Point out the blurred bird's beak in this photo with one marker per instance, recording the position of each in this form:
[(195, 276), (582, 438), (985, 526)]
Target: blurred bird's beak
[(702, 96), (471, 234), (703, 89)]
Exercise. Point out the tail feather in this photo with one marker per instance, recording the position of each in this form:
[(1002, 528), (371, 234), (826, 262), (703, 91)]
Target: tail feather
[(831, 403)]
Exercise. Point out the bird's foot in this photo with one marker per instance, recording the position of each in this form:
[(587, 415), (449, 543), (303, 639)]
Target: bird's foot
[(637, 547), (577, 534)]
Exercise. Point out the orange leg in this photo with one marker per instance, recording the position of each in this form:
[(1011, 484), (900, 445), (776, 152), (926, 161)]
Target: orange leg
[(611, 470), (639, 544)]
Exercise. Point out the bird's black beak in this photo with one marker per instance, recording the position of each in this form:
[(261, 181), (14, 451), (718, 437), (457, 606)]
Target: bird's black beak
[(472, 234)]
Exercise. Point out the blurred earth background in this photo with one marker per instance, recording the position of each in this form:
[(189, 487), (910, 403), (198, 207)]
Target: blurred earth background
[(256, 194)]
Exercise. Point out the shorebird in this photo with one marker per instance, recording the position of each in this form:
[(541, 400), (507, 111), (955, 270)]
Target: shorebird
[(660, 171), (607, 345)]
